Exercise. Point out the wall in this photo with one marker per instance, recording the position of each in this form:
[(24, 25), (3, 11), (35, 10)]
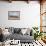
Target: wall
[(29, 14)]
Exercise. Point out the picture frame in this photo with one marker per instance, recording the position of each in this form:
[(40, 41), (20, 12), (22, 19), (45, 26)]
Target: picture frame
[(13, 15)]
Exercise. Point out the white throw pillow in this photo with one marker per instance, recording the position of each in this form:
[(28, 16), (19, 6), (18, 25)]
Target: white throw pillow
[(6, 32), (28, 31), (23, 31)]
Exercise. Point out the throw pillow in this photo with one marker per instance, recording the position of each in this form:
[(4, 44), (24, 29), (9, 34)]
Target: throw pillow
[(11, 30), (23, 31), (17, 30), (28, 31)]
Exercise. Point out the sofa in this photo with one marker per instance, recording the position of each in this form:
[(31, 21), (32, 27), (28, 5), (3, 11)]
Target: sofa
[(22, 34)]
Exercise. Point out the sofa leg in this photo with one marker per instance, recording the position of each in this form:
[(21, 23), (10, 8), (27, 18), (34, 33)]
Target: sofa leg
[(21, 44)]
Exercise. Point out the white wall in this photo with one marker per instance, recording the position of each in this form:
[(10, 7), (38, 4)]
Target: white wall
[(29, 14)]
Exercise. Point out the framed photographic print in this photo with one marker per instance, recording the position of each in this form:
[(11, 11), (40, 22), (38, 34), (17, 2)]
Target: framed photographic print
[(13, 15)]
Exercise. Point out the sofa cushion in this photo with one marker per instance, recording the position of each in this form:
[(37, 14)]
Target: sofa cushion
[(23, 31), (11, 30), (17, 30), (28, 31)]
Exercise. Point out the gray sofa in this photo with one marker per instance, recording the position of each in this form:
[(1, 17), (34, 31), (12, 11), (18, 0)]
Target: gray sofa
[(22, 38), (15, 33)]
